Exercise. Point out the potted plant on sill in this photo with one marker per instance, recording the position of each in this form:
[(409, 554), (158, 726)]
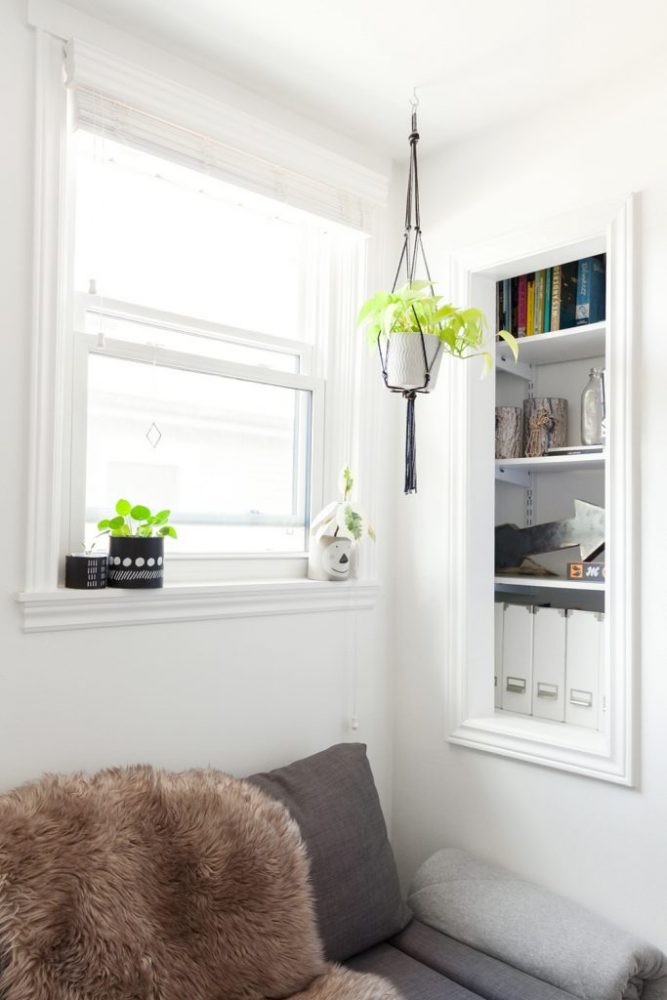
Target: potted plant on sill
[(87, 569), (136, 545), (393, 321), (335, 534)]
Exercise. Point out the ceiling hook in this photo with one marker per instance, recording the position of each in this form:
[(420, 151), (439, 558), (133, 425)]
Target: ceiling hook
[(414, 100)]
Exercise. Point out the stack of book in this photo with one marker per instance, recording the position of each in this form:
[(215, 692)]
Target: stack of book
[(555, 298)]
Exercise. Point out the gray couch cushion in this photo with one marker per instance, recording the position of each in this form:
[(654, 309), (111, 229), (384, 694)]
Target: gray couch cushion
[(332, 796), (414, 980), (479, 973)]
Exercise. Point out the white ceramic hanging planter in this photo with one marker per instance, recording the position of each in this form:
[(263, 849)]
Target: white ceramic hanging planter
[(403, 356)]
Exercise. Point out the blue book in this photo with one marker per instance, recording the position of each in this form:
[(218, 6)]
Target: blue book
[(590, 306)]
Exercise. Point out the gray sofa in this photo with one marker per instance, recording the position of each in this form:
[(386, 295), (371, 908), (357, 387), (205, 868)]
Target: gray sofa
[(362, 918)]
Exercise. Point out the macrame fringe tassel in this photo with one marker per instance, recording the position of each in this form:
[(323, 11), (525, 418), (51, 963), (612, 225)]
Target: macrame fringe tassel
[(410, 447)]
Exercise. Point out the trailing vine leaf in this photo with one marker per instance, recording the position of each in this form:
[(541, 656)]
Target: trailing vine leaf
[(511, 342)]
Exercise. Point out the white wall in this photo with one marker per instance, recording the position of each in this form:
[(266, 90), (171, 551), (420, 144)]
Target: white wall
[(238, 695), (599, 844)]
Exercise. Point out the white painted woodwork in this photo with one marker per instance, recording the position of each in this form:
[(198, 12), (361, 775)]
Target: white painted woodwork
[(607, 227)]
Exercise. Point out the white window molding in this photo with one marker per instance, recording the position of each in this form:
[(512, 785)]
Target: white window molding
[(347, 407), (77, 609), (472, 721)]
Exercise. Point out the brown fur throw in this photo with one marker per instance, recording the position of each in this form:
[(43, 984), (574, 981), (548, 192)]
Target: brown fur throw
[(137, 884)]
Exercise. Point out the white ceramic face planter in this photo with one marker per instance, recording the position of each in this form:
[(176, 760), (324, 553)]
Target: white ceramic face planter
[(329, 558)]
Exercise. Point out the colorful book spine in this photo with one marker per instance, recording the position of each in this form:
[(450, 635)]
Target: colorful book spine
[(540, 283), (590, 300), (500, 315), (514, 284), (530, 305), (522, 304), (507, 305), (555, 299), (568, 294), (546, 324)]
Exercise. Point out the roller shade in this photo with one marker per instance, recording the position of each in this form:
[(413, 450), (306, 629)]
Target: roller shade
[(141, 109)]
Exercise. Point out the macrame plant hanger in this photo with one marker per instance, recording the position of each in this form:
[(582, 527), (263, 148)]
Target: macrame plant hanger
[(412, 249)]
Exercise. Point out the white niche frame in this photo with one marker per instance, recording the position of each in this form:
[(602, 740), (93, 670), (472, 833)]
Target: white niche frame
[(472, 720)]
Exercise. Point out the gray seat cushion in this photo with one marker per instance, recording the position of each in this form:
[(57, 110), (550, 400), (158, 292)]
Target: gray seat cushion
[(483, 975), (413, 979), (332, 796)]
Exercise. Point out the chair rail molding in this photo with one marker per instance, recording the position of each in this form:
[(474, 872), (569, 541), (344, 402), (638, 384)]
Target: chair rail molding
[(471, 720)]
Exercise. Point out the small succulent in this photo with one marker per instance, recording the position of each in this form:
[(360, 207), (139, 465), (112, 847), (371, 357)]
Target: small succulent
[(136, 521)]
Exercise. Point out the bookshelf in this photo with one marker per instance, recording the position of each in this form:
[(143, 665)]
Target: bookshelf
[(547, 583), (507, 469), (579, 632), (576, 343), (539, 647)]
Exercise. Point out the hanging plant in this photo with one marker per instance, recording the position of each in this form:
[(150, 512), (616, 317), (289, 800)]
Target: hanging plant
[(416, 309), (411, 325)]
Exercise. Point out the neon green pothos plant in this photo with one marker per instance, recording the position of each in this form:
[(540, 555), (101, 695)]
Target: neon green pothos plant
[(136, 522), (414, 306)]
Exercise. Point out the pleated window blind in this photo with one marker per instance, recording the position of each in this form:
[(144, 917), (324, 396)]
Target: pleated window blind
[(136, 107)]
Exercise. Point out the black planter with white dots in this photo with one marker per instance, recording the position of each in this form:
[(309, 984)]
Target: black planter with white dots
[(136, 562)]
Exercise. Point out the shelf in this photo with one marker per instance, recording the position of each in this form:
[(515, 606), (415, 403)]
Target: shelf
[(573, 344), (517, 470), (544, 583)]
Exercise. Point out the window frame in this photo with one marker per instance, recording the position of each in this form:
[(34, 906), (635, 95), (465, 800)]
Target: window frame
[(48, 518), (185, 566)]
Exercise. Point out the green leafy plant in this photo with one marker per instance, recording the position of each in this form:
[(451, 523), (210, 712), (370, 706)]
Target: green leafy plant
[(136, 521), (415, 307), (343, 518)]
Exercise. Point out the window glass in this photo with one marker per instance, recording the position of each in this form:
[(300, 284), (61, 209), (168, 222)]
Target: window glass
[(158, 234), (230, 458)]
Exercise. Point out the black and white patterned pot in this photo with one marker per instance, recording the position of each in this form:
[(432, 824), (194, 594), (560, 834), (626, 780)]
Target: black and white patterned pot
[(136, 562), (86, 571)]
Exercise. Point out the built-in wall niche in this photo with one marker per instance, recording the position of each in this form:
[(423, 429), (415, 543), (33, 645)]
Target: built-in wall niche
[(542, 665)]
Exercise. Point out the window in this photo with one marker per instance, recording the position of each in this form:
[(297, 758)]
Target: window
[(197, 275), (199, 378)]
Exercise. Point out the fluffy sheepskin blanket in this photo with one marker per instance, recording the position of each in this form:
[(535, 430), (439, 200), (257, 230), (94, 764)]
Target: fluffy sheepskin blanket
[(136, 884)]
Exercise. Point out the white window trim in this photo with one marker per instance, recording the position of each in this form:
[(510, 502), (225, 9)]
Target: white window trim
[(472, 721), (187, 566), (79, 609), (48, 517)]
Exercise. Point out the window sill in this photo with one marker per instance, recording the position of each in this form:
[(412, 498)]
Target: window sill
[(552, 744), (62, 609)]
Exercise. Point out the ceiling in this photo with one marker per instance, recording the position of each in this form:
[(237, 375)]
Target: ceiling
[(352, 64)]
